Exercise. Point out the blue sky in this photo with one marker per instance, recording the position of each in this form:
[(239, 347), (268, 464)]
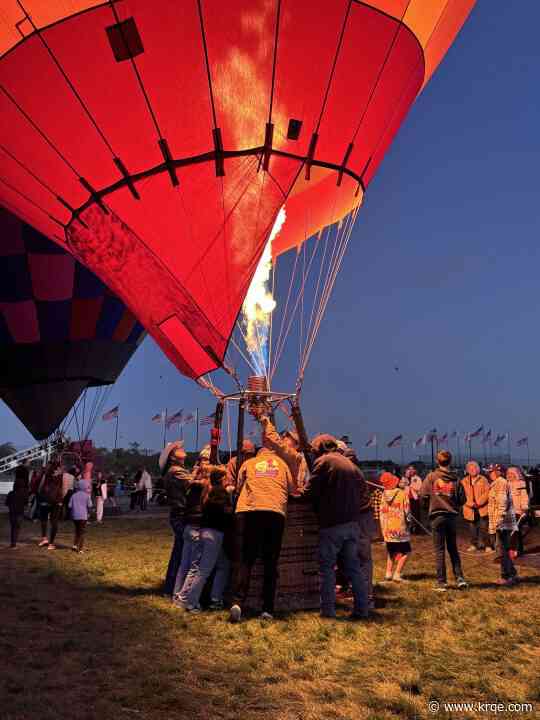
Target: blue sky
[(441, 276)]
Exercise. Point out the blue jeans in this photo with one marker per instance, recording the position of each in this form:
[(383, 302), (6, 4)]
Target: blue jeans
[(206, 555), (353, 541), (192, 548), (508, 571), (177, 526)]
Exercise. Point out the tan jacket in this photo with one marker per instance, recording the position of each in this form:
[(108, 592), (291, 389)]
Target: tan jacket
[(295, 460), (266, 482), (477, 494)]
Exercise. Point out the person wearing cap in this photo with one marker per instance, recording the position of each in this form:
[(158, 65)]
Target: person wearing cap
[(475, 509), (395, 510), (446, 496), (286, 446), (341, 501), (248, 451), (502, 521), (265, 483), (176, 481)]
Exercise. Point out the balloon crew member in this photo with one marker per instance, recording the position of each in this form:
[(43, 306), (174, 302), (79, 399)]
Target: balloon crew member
[(50, 504), (176, 481), (16, 501), (264, 484), (341, 501), (446, 496), (248, 452), (79, 504), (285, 446)]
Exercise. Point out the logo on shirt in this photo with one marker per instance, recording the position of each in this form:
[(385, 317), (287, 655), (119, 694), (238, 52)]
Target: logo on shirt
[(444, 488), (267, 468)]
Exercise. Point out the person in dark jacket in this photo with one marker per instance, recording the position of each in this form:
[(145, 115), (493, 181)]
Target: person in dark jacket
[(446, 496), (341, 500), (176, 481), (207, 551), (50, 504), (16, 502)]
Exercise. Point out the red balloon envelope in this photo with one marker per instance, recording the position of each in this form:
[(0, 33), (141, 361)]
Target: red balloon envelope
[(158, 139)]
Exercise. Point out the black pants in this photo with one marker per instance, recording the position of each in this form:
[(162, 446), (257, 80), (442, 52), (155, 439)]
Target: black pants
[(260, 533), (508, 571), (53, 513), (479, 531), (444, 538), (80, 527), (15, 517)]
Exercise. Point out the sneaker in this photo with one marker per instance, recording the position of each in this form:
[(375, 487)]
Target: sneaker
[(216, 605), (43, 542), (441, 587), (51, 546), (489, 550), (399, 579), (388, 578), (193, 610), (81, 552), (266, 616), (178, 603), (75, 548), (462, 583), (472, 548), (504, 582), (235, 614)]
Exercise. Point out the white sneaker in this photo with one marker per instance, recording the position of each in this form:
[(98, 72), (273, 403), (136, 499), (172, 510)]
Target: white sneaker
[(235, 614), (265, 616), (43, 542), (51, 546)]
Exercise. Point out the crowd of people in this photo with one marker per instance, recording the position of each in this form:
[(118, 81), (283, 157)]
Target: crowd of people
[(52, 493), (225, 517)]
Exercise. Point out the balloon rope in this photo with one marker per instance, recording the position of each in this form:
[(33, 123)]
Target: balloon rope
[(284, 313), (270, 331)]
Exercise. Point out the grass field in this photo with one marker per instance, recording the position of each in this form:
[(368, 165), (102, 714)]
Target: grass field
[(88, 637)]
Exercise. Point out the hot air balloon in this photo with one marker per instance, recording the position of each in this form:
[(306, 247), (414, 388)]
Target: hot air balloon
[(160, 140), (61, 332)]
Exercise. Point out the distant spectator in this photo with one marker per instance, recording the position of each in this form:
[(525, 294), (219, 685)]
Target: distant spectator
[(445, 499), (395, 526), (502, 521), (16, 501), (521, 502), (50, 504), (79, 504), (414, 488), (100, 495), (475, 509)]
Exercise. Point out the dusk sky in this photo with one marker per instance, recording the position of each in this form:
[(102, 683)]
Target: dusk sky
[(441, 276)]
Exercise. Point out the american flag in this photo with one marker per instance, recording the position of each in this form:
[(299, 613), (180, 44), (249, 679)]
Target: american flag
[(454, 435), (208, 420), (500, 438), (190, 417), (487, 437), (476, 433), (175, 419), (420, 441), (443, 439), (160, 417), (523, 441), (372, 441), (111, 414), (395, 442)]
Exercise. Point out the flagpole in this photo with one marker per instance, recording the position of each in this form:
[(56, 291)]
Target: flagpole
[(509, 450), (402, 456), (470, 448), (197, 430), (116, 431), (528, 454), (165, 427)]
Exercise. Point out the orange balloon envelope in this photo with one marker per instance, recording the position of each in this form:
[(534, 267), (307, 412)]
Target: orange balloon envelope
[(158, 139)]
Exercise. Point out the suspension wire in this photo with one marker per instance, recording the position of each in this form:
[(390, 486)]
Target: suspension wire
[(301, 292), (29, 200), (228, 415), (242, 354), (301, 334), (270, 330), (327, 290), (67, 80), (343, 248), (30, 172), (284, 313), (77, 419)]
